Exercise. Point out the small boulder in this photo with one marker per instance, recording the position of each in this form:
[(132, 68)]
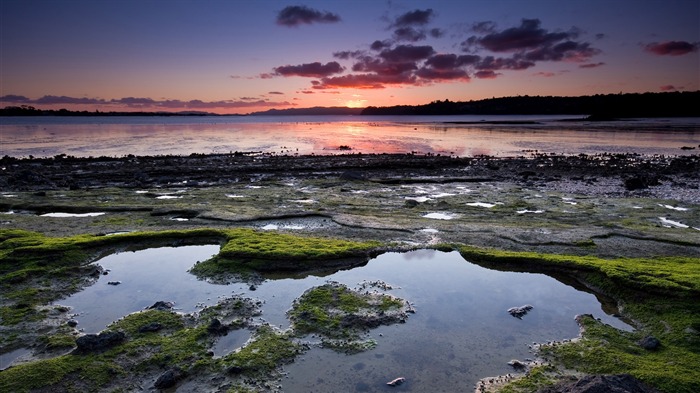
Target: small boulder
[(396, 381), (98, 342), (169, 378), (520, 312), (650, 343), (162, 306), (216, 327), (72, 323)]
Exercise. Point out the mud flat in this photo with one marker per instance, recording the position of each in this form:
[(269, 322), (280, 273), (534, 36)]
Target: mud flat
[(624, 226)]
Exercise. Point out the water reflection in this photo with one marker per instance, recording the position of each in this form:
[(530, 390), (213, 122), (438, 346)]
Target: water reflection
[(460, 333), (82, 137)]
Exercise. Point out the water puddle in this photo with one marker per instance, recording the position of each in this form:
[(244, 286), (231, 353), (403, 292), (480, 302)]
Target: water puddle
[(6, 359), (460, 333), (671, 224), (439, 216), (67, 215), (525, 211), (483, 204), (677, 208)]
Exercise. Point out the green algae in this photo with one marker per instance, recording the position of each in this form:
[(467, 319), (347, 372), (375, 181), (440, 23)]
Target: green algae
[(341, 315), (267, 350)]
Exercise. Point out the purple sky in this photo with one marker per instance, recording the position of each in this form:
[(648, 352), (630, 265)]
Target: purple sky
[(244, 56)]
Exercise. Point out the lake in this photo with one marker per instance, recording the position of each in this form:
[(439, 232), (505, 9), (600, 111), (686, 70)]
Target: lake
[(448, 135)]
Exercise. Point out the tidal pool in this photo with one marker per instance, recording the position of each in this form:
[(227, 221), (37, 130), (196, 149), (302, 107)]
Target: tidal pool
[(461, 330)]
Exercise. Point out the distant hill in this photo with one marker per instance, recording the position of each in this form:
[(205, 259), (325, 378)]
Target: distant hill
[(26, 110), (672, 104), (315, 111)]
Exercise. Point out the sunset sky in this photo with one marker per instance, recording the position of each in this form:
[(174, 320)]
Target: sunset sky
[(245, 56)]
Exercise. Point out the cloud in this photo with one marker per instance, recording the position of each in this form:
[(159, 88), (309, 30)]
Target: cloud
[(313, 70), (409, 34), (414, 18), (434, 74), (346, 54), (528, 35), (383, 67), (275, 92), (436, 33), (294, 16), (545, 74), (379, 45), (364, 81), (144, 103), (670, 88), (451, 61), (404, 53), (485, 27), (14, 98), (591, 65), (671, 48), (487, 74)]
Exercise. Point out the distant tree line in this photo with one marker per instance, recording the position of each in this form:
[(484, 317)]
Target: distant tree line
[(671, 104)]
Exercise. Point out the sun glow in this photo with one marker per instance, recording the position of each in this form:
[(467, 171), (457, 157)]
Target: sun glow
[(355, 103)]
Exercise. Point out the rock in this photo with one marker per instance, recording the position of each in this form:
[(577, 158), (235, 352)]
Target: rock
[(397, 381), (72, 323), (650, 343), (622, 383), (169, 378), (98, 342), (520, 312), (216, 327), (640, 182), (162, 306), (235, 370), (114, 282), (352, 175), (151, 327), (517, 364), (410, 203)]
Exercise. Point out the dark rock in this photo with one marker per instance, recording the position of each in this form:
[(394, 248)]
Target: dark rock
[(623, 383), (216, 327), (169, 378), (162, 306), (40, 193), (98, 342), (411, 203), (235, 370), (641, 182), (517, 364), (114, 282), (650, 343), (72, 323), (151, 327), (520, 312), (352, 175)]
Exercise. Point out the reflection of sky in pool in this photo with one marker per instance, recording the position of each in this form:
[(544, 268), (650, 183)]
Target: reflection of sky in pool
[(460, 333)]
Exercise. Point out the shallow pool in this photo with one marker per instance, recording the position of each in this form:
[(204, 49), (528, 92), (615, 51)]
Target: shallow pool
[(461, 331)]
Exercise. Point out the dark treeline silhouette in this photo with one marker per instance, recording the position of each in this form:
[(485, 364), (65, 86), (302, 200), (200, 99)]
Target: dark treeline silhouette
[(672, 104), (26, 110)]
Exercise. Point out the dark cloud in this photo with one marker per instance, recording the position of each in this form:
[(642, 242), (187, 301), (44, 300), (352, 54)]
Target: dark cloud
[(379, 45), (383, 67), (247, 98), (409, 34), (450, 61), (313, 70), (414, 18), (435, 74), (528, 35), (591, 65), (487, 74), (500, 63), (364, 81), (14, 98), (346, 54), (436, 33), (407, 53), (485, 27), (275, 92), (668, 88), (671, 48), (143, 103), (293, 16), (545, 74), (52, 100), (567, 50)]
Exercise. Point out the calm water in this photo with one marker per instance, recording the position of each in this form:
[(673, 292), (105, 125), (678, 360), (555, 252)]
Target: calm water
[(460, 333), (118, 136)]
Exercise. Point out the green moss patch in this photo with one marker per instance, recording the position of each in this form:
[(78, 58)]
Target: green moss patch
[(338, 313), (264, 353)]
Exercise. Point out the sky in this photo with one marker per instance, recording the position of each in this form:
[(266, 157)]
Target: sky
[(240, 56)]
